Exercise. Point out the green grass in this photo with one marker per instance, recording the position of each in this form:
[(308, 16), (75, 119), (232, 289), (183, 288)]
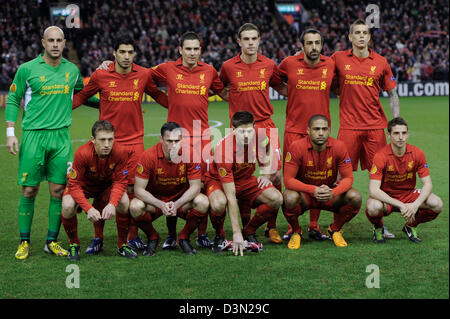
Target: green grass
[(316, 270)]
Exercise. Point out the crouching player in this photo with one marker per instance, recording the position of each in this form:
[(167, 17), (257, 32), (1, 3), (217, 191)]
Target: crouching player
[(393, 181), (311, 167), (231, 179), (99, 171), (167, 185)]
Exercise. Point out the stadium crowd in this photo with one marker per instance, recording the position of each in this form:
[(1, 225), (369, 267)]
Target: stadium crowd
[(413, 36)]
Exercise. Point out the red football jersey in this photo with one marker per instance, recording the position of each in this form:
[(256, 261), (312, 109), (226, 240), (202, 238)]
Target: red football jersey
[(188, 92), (93, 174), (398, 174), (249, 85), (121, 99), (305, 168), (166, 180), (308, 90), (233, 163), (360, 82)]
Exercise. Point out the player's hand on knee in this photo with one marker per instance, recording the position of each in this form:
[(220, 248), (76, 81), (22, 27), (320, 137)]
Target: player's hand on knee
[(263, 181), (93, 215), (109, 212), (12, 144)]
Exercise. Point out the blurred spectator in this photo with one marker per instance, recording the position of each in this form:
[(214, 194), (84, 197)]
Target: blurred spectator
[(412, 35)]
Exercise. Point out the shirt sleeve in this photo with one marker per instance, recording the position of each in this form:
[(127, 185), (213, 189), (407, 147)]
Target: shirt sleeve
[(159, 73), (194, 171), (224, 167), (276, 79), (75, 181), (159, 96), (292, 164), (376, 172), (216, 84), (89, 90), (387, 78), (422, 165), (344, 167), (120, 180), (224, 76), (145, 167), (282, 68), (16, 93)]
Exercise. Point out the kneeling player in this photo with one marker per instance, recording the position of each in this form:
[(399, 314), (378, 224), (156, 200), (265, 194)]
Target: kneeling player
[(99, 171), (231, 179), (166, 185), (393, 181), (311, 167)]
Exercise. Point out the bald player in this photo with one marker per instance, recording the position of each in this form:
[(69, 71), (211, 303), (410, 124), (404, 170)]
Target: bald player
[(47, 83)]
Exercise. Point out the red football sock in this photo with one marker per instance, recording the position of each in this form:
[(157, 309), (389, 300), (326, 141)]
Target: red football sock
[(98, 228), (144, 222), (423, 216), (291, 215), (193, 220), (314, 218), (71, 228), (346, 213), (203, 225), (217, 222), (262, 214), (245, 210), (171, 223), (132, 229), (122, 220), (377, 221)]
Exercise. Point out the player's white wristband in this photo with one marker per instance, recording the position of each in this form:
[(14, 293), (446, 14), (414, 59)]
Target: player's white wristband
[(10, 131)]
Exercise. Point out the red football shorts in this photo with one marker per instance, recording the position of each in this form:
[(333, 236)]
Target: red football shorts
[(272, 134), (199, 151), (100, 195), (408, 197), (246, 190), (362, 145), (313, 203)]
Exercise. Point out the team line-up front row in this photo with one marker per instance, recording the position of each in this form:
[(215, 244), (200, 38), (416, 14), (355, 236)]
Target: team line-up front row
[(166, 185)]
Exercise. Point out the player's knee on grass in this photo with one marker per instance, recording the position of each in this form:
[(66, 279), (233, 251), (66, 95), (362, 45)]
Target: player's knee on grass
[(218, 202), (290, 198), (353, 197), (124, 204), (201, 203), (30, 191), (374, 207), (435, 203), (137, 208), (68, 206)]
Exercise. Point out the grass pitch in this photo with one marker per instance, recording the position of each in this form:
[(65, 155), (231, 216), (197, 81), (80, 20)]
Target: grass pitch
[(316, 270)]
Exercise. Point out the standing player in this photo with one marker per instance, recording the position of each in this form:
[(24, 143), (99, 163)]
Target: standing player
[(165, 184), (309, 77), (361, 74), (393, 181), (188, 82), (121, 87), (248, 76), (311, 167), (231, 179), (47, 83), (99, 170)]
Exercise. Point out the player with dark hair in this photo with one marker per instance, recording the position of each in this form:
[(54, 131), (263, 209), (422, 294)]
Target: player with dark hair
[(100, 171), (167, 185), (248, 77), (121, 87), (361, 74), (47, 84), (392, 185), (311, 167), (309, 77), (188, 82), (231, 179)]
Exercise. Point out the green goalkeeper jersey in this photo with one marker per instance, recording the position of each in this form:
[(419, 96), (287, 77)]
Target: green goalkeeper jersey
[(47, 93)]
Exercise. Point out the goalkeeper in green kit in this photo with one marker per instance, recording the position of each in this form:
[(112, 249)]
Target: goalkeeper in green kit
[(47, 84)]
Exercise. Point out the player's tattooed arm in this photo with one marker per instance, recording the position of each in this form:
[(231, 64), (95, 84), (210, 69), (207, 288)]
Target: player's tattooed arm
[(394, 103)]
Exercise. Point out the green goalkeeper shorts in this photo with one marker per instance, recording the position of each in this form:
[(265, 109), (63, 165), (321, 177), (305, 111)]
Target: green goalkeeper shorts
[(44, 155)]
